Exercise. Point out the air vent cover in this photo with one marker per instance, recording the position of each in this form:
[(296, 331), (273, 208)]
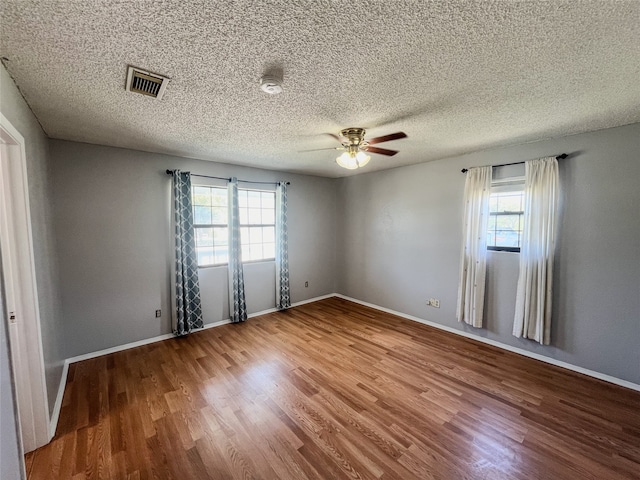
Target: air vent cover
[(146, 83)]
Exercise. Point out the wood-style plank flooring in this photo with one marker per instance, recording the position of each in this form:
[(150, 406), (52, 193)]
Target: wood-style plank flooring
[(335, 390)]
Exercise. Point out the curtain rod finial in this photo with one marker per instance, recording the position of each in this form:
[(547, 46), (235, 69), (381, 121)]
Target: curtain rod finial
[(169, 172), (464, 170), (562, 156)]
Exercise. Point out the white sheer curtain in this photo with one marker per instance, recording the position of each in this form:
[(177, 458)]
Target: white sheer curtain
[(535, 281), (237, 303), (473, 262)]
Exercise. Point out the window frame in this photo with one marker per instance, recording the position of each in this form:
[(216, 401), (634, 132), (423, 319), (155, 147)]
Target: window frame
[(208, 225), (507, 185), (259, 225), (226, 225)]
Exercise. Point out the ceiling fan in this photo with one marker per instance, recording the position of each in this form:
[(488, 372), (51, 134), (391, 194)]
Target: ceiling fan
[(356, 147)]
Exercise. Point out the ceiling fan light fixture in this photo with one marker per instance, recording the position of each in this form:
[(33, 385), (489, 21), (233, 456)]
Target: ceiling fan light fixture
[(362, 158), (356, 148), (347, 161), (353, 160)]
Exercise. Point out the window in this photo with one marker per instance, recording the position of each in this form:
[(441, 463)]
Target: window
[(211, 219), (506, 212), (257, 225)]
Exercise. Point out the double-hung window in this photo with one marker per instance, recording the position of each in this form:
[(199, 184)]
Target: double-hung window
[(211, 220), (257, 224), (506, 215), (210, 224)]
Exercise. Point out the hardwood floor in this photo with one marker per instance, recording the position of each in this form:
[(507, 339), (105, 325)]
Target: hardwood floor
[(336, 390)]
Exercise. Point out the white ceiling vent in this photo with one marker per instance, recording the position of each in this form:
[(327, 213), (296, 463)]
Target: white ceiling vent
[(146, 83)]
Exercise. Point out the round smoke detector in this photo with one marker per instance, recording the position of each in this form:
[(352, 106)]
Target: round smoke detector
[(271, 85)]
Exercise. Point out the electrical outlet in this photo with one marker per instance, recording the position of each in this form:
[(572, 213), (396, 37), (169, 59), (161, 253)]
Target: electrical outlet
[(433, 302), (158, 313), (306, 284)]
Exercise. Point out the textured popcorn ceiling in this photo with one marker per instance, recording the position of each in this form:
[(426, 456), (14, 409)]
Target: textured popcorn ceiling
[(456, 76)]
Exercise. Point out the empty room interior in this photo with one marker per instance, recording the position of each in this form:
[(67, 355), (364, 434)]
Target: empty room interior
[(320, 240)]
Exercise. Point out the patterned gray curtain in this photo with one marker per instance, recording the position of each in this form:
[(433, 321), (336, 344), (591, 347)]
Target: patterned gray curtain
[(237, 305), (283, 294), (188, 311)]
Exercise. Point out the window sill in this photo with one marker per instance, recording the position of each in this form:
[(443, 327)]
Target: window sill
[(248, 262), (504, 249)]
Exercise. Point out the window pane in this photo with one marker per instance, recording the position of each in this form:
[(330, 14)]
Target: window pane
[(221, 236), (268, 216), (269, 250), (221, 254), (510, 203), (255, 216), (219, 215), (244, 235), (505, 230), (254, 199), (255, 252), (204, 237), (491, 238), (244, 216), (506, 222), (219, 197), (269, 234), (242, 198), (255, 235), (493, 202), (205, 256), (259, 210), (268, 200), (507, 238), (201, 196), (202, 215)]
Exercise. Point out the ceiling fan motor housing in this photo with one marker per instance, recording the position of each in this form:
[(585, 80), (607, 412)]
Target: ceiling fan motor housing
[(353, 135)]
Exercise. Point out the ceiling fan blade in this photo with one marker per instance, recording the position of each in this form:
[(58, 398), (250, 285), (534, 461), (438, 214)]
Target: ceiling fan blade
[(318, 149), (381, 151), (336, 137), (387, 138)]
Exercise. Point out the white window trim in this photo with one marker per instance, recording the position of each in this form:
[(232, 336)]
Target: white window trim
[(506, 185), (203, 225)]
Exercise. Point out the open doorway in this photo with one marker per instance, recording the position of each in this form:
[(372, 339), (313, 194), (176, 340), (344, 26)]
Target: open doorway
[(21, 298)]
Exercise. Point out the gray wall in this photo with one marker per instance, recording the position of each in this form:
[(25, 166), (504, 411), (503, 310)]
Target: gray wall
[(13, 106), (112, 216), (400, 232)]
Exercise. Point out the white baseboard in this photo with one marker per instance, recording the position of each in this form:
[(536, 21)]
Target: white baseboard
[(314, 299), (126, 346), (504, 346), (272, 310), (53, 422)]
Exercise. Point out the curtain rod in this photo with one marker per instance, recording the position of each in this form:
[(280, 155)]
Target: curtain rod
[(169, 172), (559, 157)]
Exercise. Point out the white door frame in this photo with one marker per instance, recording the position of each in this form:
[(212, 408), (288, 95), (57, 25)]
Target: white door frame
[(21, 290)]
